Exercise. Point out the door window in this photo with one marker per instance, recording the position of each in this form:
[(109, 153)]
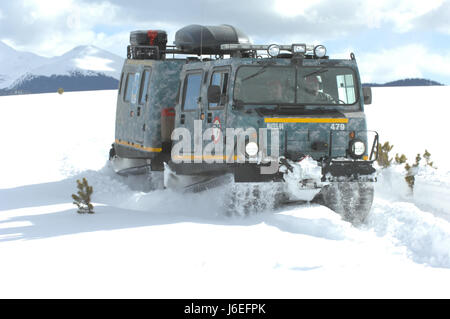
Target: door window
[(121, 83), (220, 78), (192, 86), (129, 87), (132, 87), (144, 86)]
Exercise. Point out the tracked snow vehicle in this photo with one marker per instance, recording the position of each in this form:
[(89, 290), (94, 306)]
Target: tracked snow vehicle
[(215, 105)]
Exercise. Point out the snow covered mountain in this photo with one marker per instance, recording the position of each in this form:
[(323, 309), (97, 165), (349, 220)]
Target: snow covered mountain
[(82, 59), (14, 64), (82, 68)]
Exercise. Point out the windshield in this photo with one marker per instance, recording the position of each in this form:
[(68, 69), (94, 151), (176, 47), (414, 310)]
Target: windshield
[(287, 85)]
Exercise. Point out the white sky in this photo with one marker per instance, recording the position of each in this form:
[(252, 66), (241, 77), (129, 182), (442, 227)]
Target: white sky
[(391, 39)]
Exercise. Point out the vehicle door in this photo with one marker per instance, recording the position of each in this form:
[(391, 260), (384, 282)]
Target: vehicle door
[(190, 112), (215, 115), (129, 103), (142, 106)]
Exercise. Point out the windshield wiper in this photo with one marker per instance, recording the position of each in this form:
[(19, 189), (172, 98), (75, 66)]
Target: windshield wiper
[(260, 111), (322, 70), (260, 71), (301, 109), (278, 109)]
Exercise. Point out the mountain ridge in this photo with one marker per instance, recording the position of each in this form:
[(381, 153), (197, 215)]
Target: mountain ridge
[(76, 81), (85, 67), (405, 82)]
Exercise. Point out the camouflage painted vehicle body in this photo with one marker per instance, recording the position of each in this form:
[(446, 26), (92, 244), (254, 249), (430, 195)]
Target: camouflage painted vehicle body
[(323, 134), (138, 118), (146, 88), (208, 97)]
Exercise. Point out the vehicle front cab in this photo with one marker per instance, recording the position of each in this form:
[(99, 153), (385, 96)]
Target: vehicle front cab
[(247, 112)]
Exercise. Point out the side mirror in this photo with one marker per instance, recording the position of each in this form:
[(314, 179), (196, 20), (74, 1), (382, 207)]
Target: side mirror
[(367, 91), (214, 94)]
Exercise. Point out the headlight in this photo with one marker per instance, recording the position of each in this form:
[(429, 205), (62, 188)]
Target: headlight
[(251, 149), (273, 50), (357, 148), (320, 51)]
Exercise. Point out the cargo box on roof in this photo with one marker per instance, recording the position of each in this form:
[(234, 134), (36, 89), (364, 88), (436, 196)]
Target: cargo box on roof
[(199, 39), (149, 37), (148, 44)]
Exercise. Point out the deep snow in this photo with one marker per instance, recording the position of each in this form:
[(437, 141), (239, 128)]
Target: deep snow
[(162, 244)]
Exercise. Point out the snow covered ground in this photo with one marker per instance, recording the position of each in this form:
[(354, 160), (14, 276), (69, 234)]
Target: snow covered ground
[(161, 244)]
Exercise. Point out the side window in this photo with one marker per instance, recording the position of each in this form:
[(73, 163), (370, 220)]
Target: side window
[(346, 88), (178, 93), (129, 87), (220, 78), (134, 93), (192, 84), (121, 83), (144, 86)]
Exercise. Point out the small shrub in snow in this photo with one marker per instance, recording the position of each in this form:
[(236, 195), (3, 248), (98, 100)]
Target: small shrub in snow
[(427, 157), (83, 199), (411, 169), (400, 159), (383, 154)]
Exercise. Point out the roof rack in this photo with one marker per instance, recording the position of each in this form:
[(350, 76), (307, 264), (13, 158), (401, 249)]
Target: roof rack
[(212, 40)]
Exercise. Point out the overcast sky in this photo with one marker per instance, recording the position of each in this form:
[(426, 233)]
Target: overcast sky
[(392, 39)]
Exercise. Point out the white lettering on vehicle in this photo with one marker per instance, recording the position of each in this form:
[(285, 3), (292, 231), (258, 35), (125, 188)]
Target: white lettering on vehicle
[(337, 127), (276, 126)]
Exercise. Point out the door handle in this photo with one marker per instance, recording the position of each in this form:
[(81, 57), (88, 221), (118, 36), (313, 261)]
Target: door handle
[(182, 117)]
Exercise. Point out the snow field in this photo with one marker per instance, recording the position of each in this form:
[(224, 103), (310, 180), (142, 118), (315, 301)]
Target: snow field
[(412, 119), (163, 244), (47, 137), (432, 191)]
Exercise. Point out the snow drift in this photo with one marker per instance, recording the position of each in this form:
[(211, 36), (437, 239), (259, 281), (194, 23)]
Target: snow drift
[(163, 244)]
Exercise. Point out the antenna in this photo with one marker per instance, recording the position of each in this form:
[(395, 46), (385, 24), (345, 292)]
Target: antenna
[(201, 41), (201, 29)]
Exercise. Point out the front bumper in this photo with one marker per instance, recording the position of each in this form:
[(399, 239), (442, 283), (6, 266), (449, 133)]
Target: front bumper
[(340, 170), (343, 170)]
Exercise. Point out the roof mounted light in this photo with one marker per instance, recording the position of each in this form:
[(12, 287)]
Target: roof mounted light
[(320, 51), (273, 50), (298, 48)]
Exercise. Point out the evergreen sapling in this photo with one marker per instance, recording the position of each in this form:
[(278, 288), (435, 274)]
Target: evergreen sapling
[(383, 154), (83, 199)]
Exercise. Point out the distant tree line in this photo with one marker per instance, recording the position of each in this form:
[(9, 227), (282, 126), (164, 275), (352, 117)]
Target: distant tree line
[(406, 82), (70, 83)]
